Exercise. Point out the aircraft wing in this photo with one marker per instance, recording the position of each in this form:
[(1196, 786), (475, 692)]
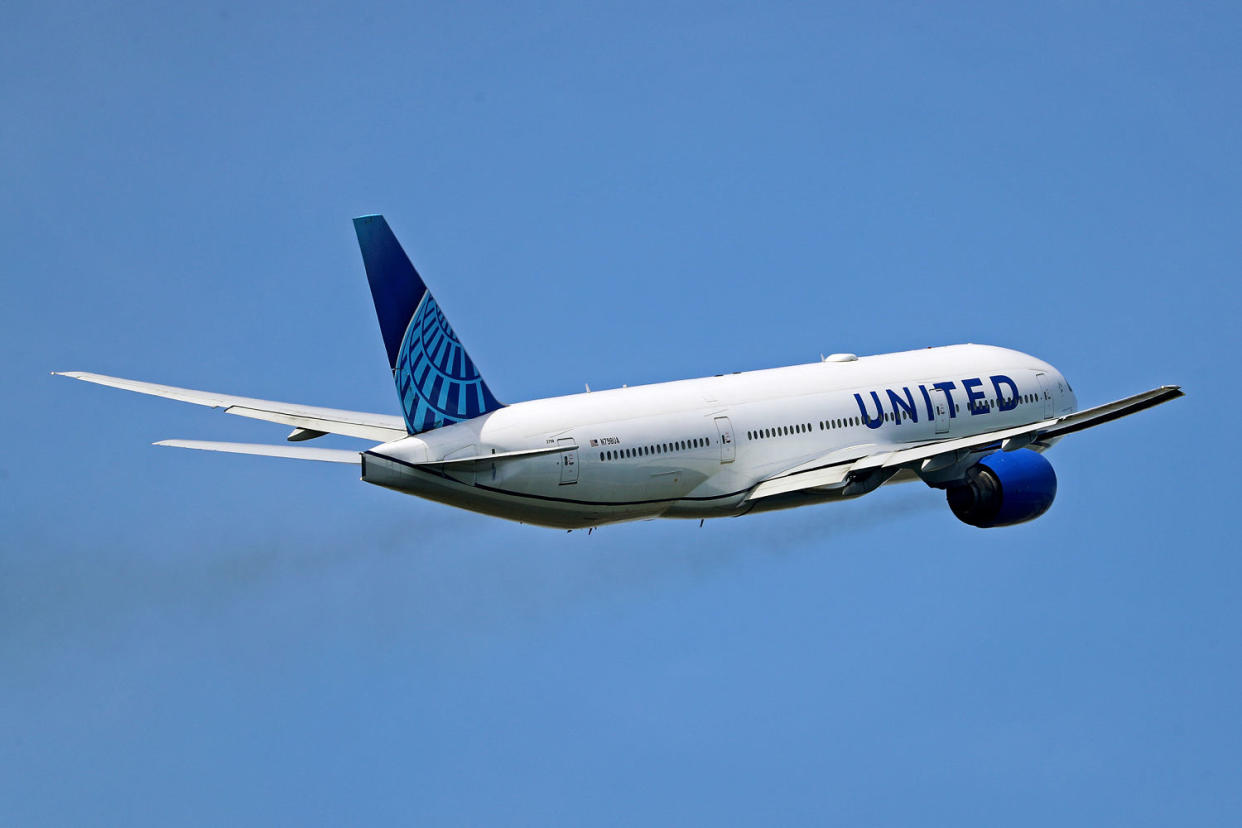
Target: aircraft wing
[(835, 469), (309, 420)]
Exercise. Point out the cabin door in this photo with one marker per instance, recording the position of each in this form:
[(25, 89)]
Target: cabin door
[(728, 451), (940, 410), (1045, 396)]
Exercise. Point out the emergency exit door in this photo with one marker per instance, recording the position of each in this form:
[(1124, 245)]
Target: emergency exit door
[(569, 461)]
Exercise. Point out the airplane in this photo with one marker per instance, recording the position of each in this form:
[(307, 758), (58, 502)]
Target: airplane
[(972, 420)]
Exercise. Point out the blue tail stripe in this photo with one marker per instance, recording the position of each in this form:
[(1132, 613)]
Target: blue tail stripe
[(436, 380)]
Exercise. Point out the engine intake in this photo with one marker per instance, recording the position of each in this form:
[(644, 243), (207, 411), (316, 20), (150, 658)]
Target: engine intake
[(1004, 489)]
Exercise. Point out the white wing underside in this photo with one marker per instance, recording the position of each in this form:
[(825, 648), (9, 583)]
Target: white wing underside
[(381, 428), (835, 469), (265, 450)]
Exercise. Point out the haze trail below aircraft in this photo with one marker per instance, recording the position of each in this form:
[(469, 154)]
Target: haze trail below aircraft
[(973, 420)]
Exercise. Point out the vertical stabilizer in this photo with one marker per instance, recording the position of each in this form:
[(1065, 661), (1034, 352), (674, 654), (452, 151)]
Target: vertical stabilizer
[(436, 380)]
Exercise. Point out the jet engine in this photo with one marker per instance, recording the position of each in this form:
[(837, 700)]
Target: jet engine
[(1003, 489)]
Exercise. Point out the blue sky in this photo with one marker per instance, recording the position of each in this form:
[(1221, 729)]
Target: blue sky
[(606, 195)]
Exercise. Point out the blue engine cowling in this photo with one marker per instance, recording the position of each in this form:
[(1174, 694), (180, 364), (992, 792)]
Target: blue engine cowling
[(1004, 488)]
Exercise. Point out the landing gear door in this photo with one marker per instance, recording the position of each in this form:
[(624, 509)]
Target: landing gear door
[(940, 410), (569, 461), (728, 451)]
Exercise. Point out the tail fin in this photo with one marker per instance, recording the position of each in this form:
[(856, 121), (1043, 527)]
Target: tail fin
[(436, 381)]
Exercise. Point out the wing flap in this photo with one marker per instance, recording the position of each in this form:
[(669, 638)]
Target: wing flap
[(382, 428), (265, 450), (825, 478)]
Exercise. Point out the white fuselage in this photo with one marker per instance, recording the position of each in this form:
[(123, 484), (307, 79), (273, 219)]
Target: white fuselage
[(695, 448)]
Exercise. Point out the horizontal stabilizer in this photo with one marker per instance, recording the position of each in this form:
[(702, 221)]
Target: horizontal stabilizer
[(264, 450)]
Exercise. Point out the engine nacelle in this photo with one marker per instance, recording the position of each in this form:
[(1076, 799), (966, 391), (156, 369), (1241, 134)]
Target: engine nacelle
[(1004, 488)]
